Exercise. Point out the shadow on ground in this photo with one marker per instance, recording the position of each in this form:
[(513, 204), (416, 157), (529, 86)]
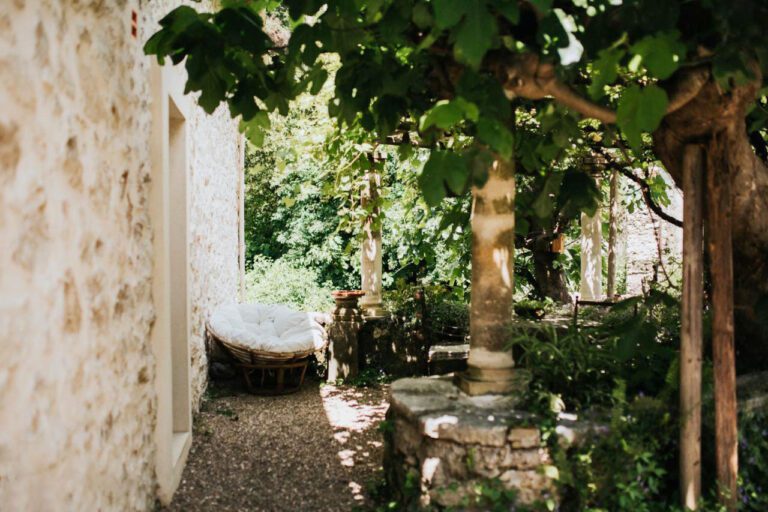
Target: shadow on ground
[(315, 450)]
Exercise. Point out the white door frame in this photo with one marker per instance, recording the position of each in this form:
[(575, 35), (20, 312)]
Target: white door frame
[(169, 211)]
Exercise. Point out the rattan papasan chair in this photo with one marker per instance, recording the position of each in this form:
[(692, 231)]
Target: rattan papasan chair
[(269, 341)]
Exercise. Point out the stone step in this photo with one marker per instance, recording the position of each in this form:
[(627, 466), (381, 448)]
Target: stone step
[(448, 358), (449, 352)]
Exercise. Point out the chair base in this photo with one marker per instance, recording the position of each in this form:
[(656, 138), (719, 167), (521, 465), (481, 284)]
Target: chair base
[(277, 378)]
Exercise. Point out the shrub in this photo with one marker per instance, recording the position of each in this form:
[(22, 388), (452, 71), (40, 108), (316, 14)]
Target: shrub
[(284, 282)]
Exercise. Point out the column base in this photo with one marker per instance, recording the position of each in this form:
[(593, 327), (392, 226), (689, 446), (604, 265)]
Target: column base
[(493, 381), (375, 310)]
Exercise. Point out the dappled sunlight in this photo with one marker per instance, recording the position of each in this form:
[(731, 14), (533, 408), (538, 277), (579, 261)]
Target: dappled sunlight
[(501, 259), (432, 425), (347, 409), (354, 414)]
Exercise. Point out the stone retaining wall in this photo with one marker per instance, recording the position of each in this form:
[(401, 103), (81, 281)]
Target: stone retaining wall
[(441, 443)]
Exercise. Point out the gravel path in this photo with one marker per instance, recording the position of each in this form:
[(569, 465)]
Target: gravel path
[(315, 450)]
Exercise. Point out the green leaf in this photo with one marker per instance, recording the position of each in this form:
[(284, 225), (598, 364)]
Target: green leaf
[(456, 172), (255, 128), (430, 180), (474, 36), (497, 136), (543, 6), (661, 54), (387, 112), (448, 12), (421, 15), (604, 70), (544, 203), (443, 168), (448, 113), (578, 193), (509, 9), (317, 76), (640, 110)]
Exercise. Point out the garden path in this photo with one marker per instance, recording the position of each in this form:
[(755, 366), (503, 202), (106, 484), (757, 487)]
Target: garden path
[(315, 450)]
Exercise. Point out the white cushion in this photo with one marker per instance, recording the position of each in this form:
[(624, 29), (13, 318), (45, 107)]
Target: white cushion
[(267, 327)]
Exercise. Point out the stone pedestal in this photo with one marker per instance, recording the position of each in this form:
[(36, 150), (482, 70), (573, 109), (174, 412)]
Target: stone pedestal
[(386, 344), (445, 442), (343, 333)]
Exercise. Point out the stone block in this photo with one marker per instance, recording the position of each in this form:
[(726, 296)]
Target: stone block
[(524, 437), (465, 426), (531, 485)]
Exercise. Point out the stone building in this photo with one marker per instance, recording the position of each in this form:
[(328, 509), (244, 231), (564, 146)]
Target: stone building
[(646, 241), (120, 230), (648, 248)]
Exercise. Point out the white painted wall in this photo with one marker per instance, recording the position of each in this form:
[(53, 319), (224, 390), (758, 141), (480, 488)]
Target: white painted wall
[(77, 373)]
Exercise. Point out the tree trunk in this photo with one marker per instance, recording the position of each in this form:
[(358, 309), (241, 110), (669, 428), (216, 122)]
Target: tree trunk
[(716, 112)]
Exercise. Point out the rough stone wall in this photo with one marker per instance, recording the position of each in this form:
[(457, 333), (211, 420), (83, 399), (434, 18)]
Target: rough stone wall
[(639, 231), (448, 443), (77, 399), (214, 232)]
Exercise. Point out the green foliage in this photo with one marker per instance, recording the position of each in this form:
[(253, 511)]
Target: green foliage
[(636, 342), (640, 110), (660, 54), (753, 461), (280, 282), (368, 378), (629, 467), (442, 62), (447, 313), (567, 365)]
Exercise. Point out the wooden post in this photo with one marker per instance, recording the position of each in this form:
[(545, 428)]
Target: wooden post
[(612, 235), (719, 244), (691, 328)]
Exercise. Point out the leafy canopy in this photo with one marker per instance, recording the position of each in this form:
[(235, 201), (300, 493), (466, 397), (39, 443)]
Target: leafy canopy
[(438, 67)]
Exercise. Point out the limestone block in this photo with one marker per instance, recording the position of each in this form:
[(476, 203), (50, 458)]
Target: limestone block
[(407, 439), (531, 485), (524, 437), (466, 427)]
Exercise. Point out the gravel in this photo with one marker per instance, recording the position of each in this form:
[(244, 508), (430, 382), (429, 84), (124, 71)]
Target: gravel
[(316, 450)]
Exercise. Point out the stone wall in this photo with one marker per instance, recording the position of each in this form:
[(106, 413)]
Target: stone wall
[(440, 444), (77, 399), (642, 232)]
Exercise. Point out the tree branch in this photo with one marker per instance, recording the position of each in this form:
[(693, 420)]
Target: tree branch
[(527, 77), (645, 189)]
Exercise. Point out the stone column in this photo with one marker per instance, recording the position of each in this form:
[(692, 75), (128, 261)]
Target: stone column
[(591, 286), (490, 365), (370, 268)]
